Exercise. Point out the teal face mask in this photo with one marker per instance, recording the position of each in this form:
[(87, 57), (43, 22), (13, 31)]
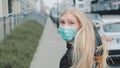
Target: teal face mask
[(67, 32)]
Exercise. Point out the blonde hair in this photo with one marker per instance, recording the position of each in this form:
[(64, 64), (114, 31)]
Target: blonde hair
[(84, 42)]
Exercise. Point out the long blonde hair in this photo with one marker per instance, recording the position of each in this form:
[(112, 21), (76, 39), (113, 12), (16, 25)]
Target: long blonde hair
[(84, 42)]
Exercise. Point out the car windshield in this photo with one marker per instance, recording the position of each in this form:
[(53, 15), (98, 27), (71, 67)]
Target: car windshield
[(113, 27), (94, 16)]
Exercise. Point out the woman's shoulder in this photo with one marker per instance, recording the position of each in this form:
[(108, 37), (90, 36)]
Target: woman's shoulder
[(66, 61)]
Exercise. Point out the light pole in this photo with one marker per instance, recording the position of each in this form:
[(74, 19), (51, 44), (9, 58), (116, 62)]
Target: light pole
[(57, 7), (57, 13)]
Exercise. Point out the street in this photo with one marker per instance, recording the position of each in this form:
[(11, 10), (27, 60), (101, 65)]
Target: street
[(104, 14)]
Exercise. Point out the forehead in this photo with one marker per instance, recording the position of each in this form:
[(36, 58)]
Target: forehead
[(68, 16)]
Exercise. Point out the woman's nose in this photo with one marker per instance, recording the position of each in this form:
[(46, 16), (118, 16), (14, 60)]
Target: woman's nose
[(66, 24)]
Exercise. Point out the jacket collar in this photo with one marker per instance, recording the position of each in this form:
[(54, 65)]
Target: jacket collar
[(70, 44)]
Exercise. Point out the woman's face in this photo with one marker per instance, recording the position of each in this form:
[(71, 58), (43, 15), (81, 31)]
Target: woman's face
[(69, 20)]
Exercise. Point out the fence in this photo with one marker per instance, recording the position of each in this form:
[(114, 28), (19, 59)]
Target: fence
[(8, 23)]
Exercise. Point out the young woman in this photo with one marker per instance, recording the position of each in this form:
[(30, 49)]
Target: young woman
[(76, 29)]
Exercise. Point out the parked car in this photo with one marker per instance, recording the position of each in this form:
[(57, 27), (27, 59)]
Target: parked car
[(95, 19), (111, 28)]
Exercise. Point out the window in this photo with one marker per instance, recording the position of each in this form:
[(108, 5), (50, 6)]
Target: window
[(81, 5), (119, 6), (9, 6), (114, 27)]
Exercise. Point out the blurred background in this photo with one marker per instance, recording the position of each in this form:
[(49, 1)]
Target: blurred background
[(14, 14)]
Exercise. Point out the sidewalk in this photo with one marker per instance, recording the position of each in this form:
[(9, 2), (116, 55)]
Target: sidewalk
[(50, 49)]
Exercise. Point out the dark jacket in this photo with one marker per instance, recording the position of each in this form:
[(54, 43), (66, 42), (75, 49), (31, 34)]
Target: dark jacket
[(66, 61)]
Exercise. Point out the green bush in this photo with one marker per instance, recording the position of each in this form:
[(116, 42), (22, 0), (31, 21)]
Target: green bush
[(18, 48)]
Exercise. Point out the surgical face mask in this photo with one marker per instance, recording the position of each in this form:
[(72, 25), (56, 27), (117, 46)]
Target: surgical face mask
[(67, 32)]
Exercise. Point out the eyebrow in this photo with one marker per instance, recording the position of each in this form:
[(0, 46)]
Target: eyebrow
[(72, 20), (68, 19)]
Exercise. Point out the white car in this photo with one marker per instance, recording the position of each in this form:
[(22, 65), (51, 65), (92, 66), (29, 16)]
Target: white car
[(111, 28)]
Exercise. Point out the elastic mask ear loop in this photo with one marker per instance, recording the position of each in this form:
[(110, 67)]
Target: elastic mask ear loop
[(79, 28)]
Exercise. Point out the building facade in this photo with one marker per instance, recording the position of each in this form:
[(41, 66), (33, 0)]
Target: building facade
[(106, 6), (84, 5), (3, 7), (15, 6)]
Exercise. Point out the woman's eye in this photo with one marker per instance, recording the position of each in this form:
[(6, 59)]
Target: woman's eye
[(71, 22), (62, 22)]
